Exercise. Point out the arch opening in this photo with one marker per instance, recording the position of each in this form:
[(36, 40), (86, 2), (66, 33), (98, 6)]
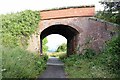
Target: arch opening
[(56, 45), (68, 32)]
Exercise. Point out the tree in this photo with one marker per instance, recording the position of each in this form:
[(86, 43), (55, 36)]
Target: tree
[(62, 48), (44, 42), (111, 11)]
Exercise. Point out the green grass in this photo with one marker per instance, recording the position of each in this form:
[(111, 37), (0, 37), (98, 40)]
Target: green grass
[(15, 30), (57, 54), (19, 63), (85, 68), (104, 65), (0, 63), (97, 67)]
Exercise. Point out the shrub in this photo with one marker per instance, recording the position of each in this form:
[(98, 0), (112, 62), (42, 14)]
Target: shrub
[(88, 53), (19, 63), (18, 27), (112, 52), (104, 65), (62, 48), (62, 55)]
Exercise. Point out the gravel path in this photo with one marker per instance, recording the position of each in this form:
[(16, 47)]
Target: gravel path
[(55, 69)]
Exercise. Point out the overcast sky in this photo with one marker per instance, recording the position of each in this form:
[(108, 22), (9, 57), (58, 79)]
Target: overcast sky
[(8, 6), (54, 40)]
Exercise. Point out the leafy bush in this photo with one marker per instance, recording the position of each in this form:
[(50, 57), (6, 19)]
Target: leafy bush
[(62, 48), (113, 55), (45, 57), (44, 47), (19, 63), (104, 65), (63, 55), (88, 53), (111, 12), (15, 32), (18, 27)]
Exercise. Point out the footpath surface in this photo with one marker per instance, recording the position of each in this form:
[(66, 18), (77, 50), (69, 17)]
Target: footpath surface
[(55, 69)]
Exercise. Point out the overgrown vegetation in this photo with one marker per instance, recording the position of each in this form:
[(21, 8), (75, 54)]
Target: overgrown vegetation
[(0, 63), (19, 63), (44, 46), (62, 48), (18, 27), (111, 11), (15, 32), (60, 52), (104, 65)]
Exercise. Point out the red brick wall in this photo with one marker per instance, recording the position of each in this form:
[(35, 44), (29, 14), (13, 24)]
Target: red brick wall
[(94, 30), (70, 12)]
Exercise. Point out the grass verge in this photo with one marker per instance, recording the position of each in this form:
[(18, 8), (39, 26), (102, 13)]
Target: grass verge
[(104, 65), (57, 54), (19, 63)]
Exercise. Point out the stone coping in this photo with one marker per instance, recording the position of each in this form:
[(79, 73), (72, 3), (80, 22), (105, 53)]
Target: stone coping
[(81, 6)]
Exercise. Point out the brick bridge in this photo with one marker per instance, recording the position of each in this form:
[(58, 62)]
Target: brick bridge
[(77, 25)]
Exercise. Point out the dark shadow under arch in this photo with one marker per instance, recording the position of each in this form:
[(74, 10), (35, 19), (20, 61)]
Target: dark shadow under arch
[(67, 31)]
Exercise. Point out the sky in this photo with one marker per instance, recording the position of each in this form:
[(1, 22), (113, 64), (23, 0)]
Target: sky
[(13, 6), (8, 6), (54, 40)]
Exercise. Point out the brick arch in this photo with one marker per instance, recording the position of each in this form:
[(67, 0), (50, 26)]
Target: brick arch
[(67, 31), (47, 23), (60, 27), (78, 25)]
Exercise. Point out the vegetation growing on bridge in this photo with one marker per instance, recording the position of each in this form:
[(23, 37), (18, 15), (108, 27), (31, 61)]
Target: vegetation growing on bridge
[(18, 63), (15, 32), (18, 27)]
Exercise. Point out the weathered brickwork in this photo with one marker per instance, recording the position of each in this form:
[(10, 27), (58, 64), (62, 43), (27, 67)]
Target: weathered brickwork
[(78, 27)]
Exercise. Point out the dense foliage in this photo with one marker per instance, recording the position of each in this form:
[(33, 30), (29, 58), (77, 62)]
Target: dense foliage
[(111, 12), (104, 65), (17, 27), (15, 31), (62, 48), (19, 63), (44, 46)]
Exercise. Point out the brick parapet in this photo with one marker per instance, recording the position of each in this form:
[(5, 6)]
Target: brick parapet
[(67, 13)]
